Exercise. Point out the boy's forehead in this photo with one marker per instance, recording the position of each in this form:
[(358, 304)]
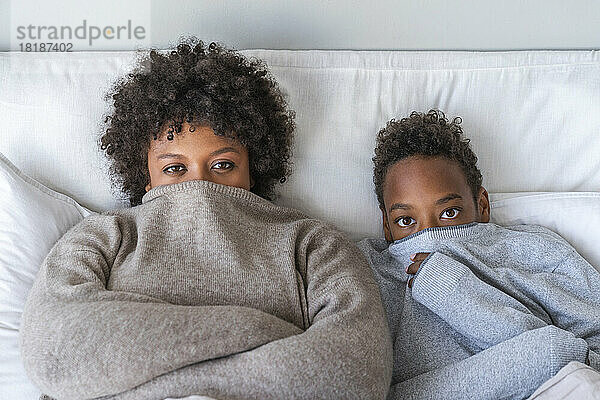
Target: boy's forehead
[(420, 176)]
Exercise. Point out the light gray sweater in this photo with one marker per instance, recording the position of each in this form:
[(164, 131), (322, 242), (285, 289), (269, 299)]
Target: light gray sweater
[(211, 290), (493, 311)]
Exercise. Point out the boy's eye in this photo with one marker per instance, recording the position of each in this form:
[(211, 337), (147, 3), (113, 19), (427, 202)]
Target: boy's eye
[(223, 165), (404, 221), (450, 213), (174, 169)]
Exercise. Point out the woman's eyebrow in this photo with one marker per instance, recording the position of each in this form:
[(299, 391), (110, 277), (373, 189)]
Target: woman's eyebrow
[(214, 153), (224, 150), (169, 155)]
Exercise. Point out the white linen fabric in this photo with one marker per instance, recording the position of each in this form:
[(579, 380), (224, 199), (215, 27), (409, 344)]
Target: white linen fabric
[(193, 397), (532, 117), (32, 219), (575, 216), (575, 381)]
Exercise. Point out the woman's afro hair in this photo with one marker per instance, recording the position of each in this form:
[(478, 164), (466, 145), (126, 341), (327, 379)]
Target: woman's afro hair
[(423, 135), (209, 85)]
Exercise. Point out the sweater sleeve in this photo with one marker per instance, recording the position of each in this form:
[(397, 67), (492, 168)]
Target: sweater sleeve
[(70, 314), (345, 353), (477, 310), (509, 370), (573, 299), (567, 289)]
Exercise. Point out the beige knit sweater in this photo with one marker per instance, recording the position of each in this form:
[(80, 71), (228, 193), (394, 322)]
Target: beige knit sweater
[(206, 289)]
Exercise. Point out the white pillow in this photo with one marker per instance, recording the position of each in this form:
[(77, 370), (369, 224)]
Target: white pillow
[(573, 215), (32, 219)]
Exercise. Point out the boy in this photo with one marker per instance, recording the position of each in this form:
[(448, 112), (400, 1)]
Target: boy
[(475, 310)]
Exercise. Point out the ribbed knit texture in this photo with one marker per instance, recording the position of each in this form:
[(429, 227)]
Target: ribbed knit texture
[(436, 287), (493, 312), (205, 289)]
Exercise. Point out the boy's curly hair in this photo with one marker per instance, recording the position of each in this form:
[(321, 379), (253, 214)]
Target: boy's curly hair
[(426, 135), (211, 85)]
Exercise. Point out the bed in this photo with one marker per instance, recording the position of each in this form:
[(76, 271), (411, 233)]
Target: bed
[(532, 117)]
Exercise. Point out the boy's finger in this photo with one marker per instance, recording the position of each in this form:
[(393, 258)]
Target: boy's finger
[(410, 282), (413, 268), (419, 256)]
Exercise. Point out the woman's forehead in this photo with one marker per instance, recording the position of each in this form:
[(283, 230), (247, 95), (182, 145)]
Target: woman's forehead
[(200, 137)]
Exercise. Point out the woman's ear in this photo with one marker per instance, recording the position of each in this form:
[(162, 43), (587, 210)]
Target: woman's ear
[(386, 227), (148, 187), (483, 205)]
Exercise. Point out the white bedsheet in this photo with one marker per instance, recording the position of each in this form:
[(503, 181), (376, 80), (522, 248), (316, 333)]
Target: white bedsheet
[(532, 116), (575, 381)]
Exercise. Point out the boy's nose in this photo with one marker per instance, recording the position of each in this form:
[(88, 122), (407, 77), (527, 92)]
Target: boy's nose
[(430, 223)]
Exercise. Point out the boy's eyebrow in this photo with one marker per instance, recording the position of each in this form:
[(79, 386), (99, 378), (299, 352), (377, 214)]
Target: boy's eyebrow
[(214, 153), (400, 206), (447, 198)]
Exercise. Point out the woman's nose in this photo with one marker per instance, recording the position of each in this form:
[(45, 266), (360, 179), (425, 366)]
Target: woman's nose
[(198, 174)]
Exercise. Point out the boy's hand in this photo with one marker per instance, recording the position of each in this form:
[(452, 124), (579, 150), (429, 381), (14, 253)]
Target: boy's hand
[(414, 267)]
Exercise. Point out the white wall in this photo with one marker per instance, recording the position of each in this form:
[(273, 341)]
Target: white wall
[(322, 24)]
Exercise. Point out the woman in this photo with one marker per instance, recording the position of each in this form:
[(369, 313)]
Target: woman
[(204, 286)]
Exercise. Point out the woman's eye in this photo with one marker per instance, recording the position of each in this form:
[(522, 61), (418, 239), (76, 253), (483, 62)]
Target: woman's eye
[(174, 169), (450, 213), (223, 165), (404, 221)]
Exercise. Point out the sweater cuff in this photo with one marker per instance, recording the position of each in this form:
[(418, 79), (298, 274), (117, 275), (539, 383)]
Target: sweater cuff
[(566, 348), (436, 279)]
